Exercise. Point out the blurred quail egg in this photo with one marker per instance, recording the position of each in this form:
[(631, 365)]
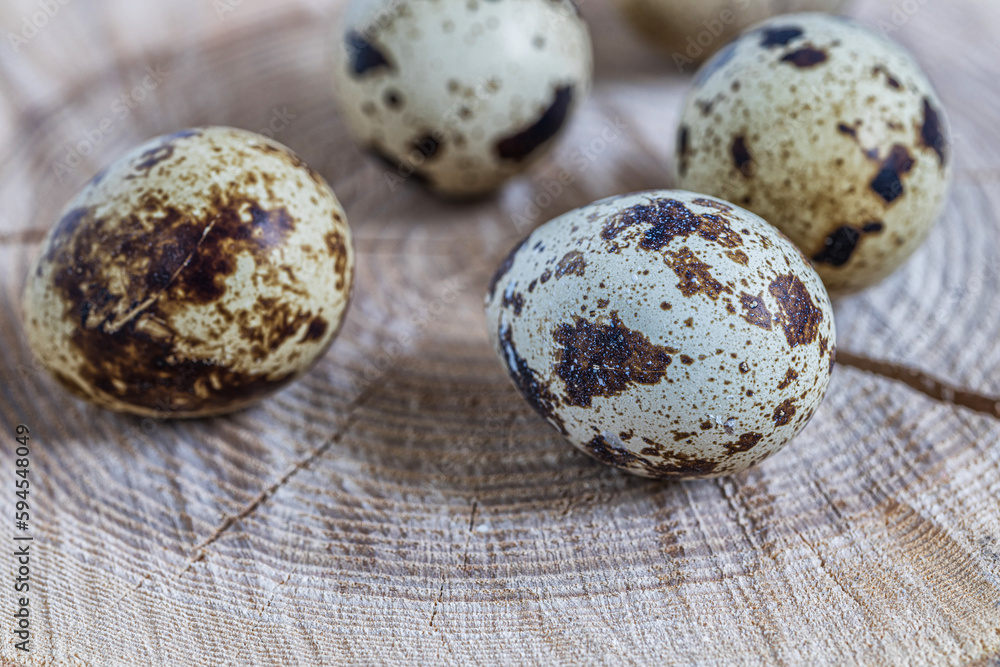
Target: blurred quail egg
[(460, 94), (692, 30), (196, 274), (828, 131), (667, 333)]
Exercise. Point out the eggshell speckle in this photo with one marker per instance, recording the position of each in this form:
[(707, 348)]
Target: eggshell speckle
[(667, 333), (692, 30), (828, 131), (200, 272), (460, 95)]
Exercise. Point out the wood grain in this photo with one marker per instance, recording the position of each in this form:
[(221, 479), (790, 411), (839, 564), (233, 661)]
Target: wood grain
[(401, 503)]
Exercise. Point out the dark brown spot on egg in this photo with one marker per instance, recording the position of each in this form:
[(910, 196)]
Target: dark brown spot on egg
[(283, 322), (138, 369), (742, 159), (520, 145), (715, 228), (774, 37), (791, 375), (805, 57), (890, 80), (666, 219), (888, 183), (695, 277), (745, 443), (153, 157), (606, 359), (783, 413), (755, 311), (514, 301), (839, 246), (800, 317), (848, 130), (317, 327), (932, 132), (337, 247), (670, 464), (686, 360), (572, 263), (211, 257), (528, 382), (738, 256), (744, 367), (364, 57), (427, 146), (619, 457)]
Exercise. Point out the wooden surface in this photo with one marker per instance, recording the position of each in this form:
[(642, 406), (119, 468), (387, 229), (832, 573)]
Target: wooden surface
[(402, 503)]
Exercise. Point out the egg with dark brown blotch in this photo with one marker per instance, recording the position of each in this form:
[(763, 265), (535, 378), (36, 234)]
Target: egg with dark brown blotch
[(828, 131), (460, 96), (195, 275), (667, 333)]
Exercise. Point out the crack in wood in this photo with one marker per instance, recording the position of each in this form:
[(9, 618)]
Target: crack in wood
[(299, 465), (924, 383), (201, 549)]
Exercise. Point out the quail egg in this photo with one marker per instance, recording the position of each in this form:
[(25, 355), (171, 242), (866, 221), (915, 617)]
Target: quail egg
[(460, 95), (828, 131), (667, 333), (692, 30), (196, 274)]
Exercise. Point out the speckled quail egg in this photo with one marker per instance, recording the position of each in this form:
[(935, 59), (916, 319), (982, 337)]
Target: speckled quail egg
[(667, 333), (196, 274), (460, 94), (692, 30), (828, 131)]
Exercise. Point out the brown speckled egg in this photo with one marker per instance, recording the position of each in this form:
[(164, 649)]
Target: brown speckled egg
[(828, 131), (460, 95), (692, 30), (200, 272), (667, 333)]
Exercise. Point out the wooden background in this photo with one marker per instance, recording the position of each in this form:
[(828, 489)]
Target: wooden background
[(402, 503)]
